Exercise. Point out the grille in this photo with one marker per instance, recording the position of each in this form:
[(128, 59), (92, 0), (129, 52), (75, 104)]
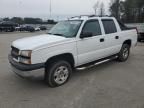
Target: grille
[(15, 52)]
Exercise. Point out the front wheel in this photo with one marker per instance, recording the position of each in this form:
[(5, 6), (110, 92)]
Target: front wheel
[(57, 73), (124, 53)]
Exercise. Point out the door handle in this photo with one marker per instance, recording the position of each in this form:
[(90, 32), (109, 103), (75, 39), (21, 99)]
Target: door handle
[(102, 40), (116, 37)]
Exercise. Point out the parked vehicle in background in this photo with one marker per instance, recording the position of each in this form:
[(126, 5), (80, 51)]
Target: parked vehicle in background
[(140, 29), (7, 26), (43, 28), (27, 28), (17, 28), (70, 44), (37, 29)]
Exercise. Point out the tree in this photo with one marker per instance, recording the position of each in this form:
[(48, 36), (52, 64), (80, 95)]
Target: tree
[(38, 21), (129, 10), (95, 7), (99, 8), (51, 22), (17, 20), (28, 20), (102, 9), (33, 21), (6, 19), (115, 8)]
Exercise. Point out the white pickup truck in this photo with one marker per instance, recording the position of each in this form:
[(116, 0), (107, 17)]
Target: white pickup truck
[(70, 44)]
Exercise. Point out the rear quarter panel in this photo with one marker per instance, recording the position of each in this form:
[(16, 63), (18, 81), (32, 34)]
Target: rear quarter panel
[(129, 35)]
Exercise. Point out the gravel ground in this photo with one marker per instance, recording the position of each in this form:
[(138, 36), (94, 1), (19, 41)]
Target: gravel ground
[(108, 85)]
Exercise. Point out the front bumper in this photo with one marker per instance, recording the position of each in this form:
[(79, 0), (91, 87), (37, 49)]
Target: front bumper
[(25, 70), (25, 67), (28, 74)]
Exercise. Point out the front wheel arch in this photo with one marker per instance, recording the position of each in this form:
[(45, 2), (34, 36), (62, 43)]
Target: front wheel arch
[(66, 56)]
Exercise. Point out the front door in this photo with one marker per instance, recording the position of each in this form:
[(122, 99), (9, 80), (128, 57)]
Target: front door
[(91, 48)]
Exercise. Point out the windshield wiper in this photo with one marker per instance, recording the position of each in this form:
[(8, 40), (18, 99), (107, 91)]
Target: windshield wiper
[(58, 34)]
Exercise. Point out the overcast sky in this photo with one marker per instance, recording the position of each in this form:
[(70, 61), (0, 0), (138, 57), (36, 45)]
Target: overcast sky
[(40, 8)]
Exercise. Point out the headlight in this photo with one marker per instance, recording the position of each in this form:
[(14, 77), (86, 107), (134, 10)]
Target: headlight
[(25, 56), (25, 60), (26, 53)]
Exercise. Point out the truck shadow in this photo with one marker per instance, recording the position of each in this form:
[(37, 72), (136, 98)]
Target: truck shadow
[(30, 81)]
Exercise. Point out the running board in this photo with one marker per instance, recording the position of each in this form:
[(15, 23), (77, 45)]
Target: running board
[(97, 62)]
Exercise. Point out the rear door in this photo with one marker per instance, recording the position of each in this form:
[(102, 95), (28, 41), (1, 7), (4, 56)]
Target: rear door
[(112, 37)]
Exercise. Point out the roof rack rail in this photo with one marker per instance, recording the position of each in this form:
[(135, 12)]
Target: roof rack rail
[(80, 16), (89, 16), (99, 16)]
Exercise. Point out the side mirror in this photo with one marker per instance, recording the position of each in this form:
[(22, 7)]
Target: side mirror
[(86, 35)]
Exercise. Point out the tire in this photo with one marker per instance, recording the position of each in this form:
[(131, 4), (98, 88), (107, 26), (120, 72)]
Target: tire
[(124, 53), (55, 75)]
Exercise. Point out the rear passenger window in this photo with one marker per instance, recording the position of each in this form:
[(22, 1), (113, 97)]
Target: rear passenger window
[(92, 27), (109, 26)]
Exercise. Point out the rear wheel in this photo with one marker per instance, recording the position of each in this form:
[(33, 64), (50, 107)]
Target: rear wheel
[(124, 53), (57, 73)]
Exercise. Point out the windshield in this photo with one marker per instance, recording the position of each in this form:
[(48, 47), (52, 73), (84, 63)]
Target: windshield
[(66, 28)]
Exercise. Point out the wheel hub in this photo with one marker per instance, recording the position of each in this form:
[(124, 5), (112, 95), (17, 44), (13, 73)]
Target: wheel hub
[(125, 53), (61, 74)]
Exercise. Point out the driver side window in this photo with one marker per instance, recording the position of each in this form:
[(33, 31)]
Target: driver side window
[(93, 27)]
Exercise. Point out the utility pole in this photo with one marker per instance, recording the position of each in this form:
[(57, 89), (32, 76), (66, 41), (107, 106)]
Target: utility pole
[(50, 9)]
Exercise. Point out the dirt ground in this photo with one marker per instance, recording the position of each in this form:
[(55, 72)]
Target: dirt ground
[(108, 85)]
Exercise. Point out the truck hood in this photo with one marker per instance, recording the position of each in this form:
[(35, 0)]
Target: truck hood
[(35, 42)]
